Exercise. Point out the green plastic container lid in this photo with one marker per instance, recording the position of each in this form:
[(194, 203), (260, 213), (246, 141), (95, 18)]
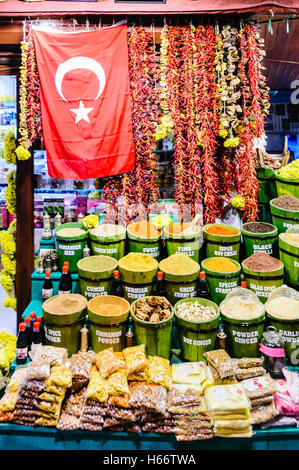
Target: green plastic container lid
[(198, 325), (246, 293)]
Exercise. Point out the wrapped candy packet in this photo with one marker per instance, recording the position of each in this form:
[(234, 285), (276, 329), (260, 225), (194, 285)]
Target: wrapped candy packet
[(221, 361), (152, 397), (158, 371), (263, 413), (52, 354), (189, 372), (108, 362), (259, 386), (117, 383), (135, 359), (184, 394), (97, 388)]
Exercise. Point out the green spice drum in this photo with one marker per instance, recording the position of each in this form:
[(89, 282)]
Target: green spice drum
[(156, 336), (255, 242), (282, 309), (221, 283), (64, 317), (267, 187), (283, 218), (138, 274), (196, 337), (108, 240), (289, 255), (222, 245), (144, 238), (180, 275), (262, 281), (70, 241), (286, 185), (187, 244), (96, 275), (108, 322), (243, 319)]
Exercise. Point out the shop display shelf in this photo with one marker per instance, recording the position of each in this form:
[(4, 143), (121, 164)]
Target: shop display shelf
[(37, 281), (16, 437)]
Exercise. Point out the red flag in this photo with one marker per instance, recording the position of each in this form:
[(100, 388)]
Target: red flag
[(85, 102)]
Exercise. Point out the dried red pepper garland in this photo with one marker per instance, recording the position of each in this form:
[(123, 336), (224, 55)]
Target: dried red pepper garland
[(138, 187), (34, 123), (208, 116)]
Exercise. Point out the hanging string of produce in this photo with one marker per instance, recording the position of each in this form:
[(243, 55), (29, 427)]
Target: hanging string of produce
[(33, 94)]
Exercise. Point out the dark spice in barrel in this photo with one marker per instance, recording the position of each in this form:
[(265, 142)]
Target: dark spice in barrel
[(153, 309), (262, 262), (258, 227), (287, 201)]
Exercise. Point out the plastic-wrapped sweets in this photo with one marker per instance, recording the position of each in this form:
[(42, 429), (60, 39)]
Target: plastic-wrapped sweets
[(71, 411), (159, 371), (292, 379), (51, 354), (152, 397), (108, 362), (184, 394), (283, 400), (189, 373), (135, 358), (263, 413), (259, 386)]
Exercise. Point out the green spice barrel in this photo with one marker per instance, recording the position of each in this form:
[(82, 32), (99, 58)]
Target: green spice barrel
[(286, 185), (283, 218), (96, 275), (260, 236), (196, 337), (263, 274), (144, 238), (138, 274), (64, 317), (108, 322), (156, 336), (221, 282), (70, 240), (183, 241), (267, 187), (180, 276), (282, 312), (222, 244), (243, 319), (108, 240), (289, 255)]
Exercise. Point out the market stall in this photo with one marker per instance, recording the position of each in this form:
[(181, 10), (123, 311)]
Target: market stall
[(163, 302)]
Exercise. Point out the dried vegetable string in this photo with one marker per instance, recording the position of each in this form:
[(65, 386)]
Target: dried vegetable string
[(33, 94), (23, 128)]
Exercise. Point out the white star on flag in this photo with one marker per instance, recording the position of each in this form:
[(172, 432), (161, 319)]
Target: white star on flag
[(81, 113)]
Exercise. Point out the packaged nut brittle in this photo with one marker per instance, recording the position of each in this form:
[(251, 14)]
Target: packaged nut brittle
[(259, 386), (117, 383), (221, 361), (119, 400), (60, 376), (135, 359), (248, 362), (250, 372), (152, 397), (52, 354), (159, 371), (263, 413), (108, 362), (184, 394)]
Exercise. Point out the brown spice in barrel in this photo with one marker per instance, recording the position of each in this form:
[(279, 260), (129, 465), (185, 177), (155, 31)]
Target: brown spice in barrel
[(287, 201), (262, 262), (258, 227), (153, 309)]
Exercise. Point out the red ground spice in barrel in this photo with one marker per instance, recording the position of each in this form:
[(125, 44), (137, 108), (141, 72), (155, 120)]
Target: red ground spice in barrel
[(262, 262)]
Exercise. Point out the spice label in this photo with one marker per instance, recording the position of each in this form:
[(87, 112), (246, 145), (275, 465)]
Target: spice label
[(285, 224), (225, 251), (262, 291), (296, 264), (52, 335), (290, 336), (152, 251), (186, 292), (108, 337), (263, 248), (69, 250), (95, 291), (186, 250), (197, 342), (244, 337), (105, 250), (225, 287), (135, 293)]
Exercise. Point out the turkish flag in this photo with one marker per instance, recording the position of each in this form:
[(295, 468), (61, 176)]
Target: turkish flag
[(85, 102)]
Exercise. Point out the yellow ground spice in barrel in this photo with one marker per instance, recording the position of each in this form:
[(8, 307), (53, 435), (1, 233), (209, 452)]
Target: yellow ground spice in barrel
[(138, 262), (221, 265), (291, 238), (143, 229), (179, 263)]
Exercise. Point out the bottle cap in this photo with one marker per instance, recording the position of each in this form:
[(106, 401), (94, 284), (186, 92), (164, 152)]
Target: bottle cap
[(27, 320), (202, 274), (159, 275), (115, 273), (33, 315), (243, 284), (66, 263), (39, 319), (22, 327), (36, 325), (48, 273), (65, 269)]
